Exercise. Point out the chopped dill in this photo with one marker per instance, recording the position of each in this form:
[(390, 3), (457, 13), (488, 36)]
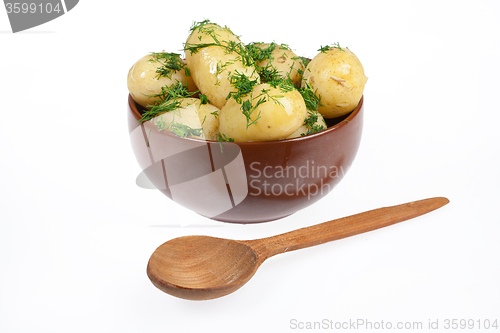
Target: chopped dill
[(311, 123), (159, 109), (223, 138), (323, 49), (315, 128), (175, 90), (273, 98), (178, 129), (161, 124), (312, 100), (305, 61), (247, 108), (209, 29), (260, 52), (169, 63), (243, 85), (268, 73), (337, 46), (204, 99), (170, 99), (184, 130), (285, 84), (251, 54)]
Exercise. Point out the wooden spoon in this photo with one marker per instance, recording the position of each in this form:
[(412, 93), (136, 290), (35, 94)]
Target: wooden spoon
[(203, 267)]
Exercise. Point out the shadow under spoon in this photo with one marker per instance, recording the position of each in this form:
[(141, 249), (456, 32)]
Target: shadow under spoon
[(203, 267)]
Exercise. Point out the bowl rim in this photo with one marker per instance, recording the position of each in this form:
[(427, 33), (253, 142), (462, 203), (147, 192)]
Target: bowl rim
[(342, 123)]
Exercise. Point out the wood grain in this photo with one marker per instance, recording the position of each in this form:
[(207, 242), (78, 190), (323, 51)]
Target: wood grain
[(344, 227), (202, 267)]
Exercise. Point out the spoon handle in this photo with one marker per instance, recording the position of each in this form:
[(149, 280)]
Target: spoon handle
[(343, 227)]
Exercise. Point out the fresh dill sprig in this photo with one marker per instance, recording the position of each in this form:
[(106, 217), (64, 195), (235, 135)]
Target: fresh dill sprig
[(197, 25), (169, 63), (268, 73), (311, 119), (283, 83), (170, 99), (209, 29), (323, 49), (337, 46), (262, 51), (161, 124), (247, 108), (254, 51), (312, 100), (178, 129), (223, 138), (311, 123), (316, 128), (243, 85), (204, 99), (202, 28), (175, 90), (184, 131), (274, 98), (156, 110), (305, 61)]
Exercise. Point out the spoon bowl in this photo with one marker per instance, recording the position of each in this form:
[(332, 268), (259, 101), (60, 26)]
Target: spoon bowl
[(203, 267)]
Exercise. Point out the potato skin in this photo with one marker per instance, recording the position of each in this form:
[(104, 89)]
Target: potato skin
[(284, 60), (142, 80), (208, 115), (211, 66), (303, 129), (193, 114), (277, 119), (339, 78)]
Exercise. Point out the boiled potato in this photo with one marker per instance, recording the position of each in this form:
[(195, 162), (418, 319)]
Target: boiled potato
[(191, 119), (214, 54), (281, 58), (338, 77), (273, 115), (144, 79), (314, 122)]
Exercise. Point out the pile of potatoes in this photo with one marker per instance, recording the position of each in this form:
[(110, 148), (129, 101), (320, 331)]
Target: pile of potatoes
[(225, 90)]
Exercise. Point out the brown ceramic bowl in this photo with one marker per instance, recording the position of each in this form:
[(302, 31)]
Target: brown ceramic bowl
[(246, 182)]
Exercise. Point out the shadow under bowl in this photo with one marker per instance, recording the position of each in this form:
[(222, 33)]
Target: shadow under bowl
[(246, 182)]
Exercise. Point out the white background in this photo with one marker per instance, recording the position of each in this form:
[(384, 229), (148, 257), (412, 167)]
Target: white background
[(76, 232)]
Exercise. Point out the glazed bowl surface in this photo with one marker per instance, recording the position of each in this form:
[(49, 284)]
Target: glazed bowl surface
[(246, 182)]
